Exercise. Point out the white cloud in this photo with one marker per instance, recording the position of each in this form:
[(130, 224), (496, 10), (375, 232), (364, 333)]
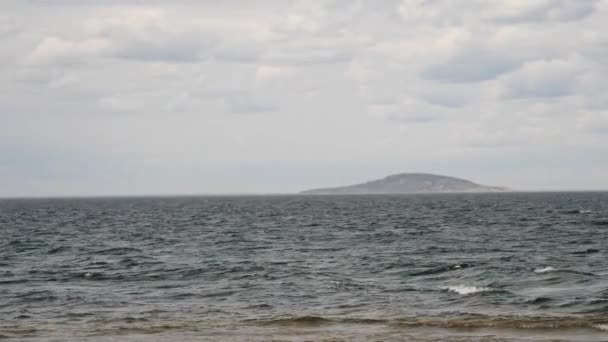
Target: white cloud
[(543, 10), (54, 50), (121, 103), (356, 71), (544, 78), (595, 123), (471, 65), (269, 72), (241, 102)]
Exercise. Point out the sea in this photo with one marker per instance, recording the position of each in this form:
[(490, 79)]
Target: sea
[(442, 267)]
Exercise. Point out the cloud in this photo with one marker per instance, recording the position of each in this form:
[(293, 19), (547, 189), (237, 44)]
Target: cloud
[(471, 65), (121, 103), (381, 85), (162, 35), (449, 97), (54, 50), (269, 72), (445, 12), (153, 35), (543, 10), (409, 111), (129, 33), (244, 103), (594, 122), (357, 72), (8, 27), (542, 78)]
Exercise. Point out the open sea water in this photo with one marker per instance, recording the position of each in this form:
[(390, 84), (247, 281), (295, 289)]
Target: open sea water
[(453, 267)]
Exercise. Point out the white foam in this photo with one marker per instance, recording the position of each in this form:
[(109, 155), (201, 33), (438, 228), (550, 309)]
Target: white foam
[(465, 290), (545, 269), (603, 327)]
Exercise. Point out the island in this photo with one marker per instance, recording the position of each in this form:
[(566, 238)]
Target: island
[(408, 183)]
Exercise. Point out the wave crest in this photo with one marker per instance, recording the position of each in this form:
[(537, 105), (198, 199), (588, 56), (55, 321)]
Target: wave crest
[(545, 269), (466, 290)]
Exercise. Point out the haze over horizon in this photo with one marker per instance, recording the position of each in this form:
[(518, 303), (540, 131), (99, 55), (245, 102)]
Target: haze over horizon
[(194, 97)]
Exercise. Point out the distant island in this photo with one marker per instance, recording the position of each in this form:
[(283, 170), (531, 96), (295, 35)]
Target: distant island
[(408, 183)]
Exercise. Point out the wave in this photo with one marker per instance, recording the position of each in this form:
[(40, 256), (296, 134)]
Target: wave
[(577, 211), (539, 300), (467, 290), (458, 321), (545, 269), (587, 251), (13, 281), (441, 269), (59, 249), (318, 320), (511, 323), (551, 269), (118, 251)]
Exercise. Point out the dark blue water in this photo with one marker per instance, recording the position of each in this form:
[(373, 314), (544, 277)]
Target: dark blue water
[(527, 266)]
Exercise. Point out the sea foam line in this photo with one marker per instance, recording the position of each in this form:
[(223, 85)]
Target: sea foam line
[(603, 327)]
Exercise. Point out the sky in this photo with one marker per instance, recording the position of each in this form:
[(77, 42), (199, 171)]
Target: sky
[(197, 97)]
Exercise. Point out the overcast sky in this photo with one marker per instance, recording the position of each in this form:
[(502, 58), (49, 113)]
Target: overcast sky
[(141, 97)]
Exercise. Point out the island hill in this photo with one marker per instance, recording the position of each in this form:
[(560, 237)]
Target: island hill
[(408, 183)]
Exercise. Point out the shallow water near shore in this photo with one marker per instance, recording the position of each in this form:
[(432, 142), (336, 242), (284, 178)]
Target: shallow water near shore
[(458, 267)]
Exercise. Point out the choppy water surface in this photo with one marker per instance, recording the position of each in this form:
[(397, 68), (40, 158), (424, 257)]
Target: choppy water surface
[(305, 268)]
